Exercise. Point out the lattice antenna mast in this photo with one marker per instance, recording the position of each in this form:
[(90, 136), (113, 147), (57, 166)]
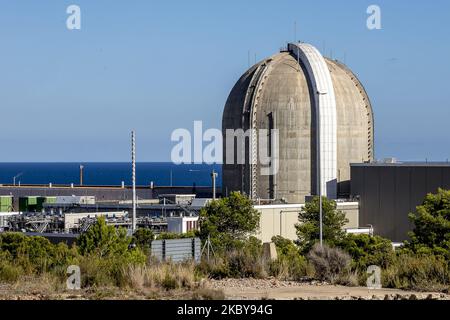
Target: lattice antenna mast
[(133, 178)]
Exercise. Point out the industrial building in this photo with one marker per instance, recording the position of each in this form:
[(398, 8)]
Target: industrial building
[(103, 194), (388, 192), (322, 115), (321, 112), (74, 214), (324, 144), (325, 126)]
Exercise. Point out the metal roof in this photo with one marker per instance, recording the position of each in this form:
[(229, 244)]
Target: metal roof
[(401, 164)]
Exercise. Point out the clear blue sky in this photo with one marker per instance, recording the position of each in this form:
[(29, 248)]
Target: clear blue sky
[(159, 65)]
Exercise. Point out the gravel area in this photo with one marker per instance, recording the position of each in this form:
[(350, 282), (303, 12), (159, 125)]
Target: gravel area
[(311, 290)]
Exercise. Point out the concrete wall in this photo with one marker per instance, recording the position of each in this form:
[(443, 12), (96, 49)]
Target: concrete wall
[(389, 192), (281, 219)]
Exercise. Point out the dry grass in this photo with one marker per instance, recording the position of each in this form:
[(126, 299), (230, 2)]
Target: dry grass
[(422, 273), (152, 281), (167, 276)]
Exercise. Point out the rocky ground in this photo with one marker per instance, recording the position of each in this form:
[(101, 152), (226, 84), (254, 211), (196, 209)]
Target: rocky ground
[(233, 289), (274, 289)]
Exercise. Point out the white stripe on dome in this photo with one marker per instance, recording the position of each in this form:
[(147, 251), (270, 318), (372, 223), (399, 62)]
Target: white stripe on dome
[(326, 121)]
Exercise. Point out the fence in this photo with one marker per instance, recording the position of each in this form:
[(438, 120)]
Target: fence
[(177, 250)]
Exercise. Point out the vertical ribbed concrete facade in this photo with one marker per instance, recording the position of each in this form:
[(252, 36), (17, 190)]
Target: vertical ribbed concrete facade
[(293, 93)]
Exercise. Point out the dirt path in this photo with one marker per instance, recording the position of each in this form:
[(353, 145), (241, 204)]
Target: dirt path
[(285, 290)]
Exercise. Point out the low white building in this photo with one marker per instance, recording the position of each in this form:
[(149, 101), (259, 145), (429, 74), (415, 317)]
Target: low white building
[(182, 224), (280, 219)]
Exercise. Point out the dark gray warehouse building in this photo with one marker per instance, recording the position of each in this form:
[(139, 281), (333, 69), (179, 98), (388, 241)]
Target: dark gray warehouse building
[(387, 192)]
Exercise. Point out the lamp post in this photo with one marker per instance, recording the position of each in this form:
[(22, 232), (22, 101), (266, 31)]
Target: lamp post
[(319, 182), (214, 176)]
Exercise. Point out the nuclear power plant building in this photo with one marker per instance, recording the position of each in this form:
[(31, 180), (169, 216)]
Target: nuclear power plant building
[(320, 112)]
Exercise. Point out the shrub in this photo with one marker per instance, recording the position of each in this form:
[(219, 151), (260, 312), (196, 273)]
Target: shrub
[(289, 268), (417, 272), (174, 235), (330, 264), (103, 240), (216, 268), (431, 234), (34, 254), (169, 282), (143, 238), (368, 250), (290, 264), (243, 264), (243, 259), (9, 272)]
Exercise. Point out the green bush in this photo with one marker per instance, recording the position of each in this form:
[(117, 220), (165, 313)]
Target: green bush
[(103, 240), (368, 250), (102, 257), (9, 272), (169, 282), (431, 234), (290, 264), (174, 235), (34, 254), (143, 238)]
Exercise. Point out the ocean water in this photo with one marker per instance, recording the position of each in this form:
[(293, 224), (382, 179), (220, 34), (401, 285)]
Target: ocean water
[(100, 173)]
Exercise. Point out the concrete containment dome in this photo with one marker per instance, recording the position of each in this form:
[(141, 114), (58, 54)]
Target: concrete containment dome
[(314, 111)]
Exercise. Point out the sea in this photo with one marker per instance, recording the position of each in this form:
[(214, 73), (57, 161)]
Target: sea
[(109, 173)]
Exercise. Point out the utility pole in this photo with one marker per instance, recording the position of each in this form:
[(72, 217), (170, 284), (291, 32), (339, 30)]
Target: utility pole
[(133, 165), (319, 167), (320, 220), (214, 176)]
